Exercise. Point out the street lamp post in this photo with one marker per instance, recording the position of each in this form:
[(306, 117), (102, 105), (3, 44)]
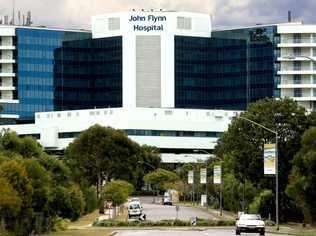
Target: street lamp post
[(276, 167), (154, 168), (221, 185)]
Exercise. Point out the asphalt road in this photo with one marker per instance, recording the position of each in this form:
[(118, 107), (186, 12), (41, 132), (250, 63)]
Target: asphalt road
[(209, 232), (156, 212)]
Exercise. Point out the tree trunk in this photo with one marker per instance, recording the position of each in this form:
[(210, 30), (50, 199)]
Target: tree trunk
[(99, 184)]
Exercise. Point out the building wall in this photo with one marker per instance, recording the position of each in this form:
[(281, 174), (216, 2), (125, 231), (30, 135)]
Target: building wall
[(88, 74), (33, 70), (298, 64), (171, 130)]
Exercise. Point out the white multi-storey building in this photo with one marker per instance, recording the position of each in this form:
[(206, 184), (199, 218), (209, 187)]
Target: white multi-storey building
[(298, 63), (7, 65)]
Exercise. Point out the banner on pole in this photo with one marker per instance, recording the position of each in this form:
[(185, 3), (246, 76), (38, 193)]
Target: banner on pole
[(269, 159), (203, 200), (203, 176), (217, 174), (190, 177)]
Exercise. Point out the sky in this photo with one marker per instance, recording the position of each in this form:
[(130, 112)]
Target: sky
[(225, 13)]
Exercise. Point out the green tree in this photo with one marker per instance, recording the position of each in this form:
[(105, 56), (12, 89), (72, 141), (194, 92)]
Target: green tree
[(243, 144), (102, 153), (161, 178), (116, 191), (302, 186), (41, 183), (68, 202), (10, 202)]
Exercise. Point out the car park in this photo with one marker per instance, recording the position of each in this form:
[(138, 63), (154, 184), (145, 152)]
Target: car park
[(251, 223)]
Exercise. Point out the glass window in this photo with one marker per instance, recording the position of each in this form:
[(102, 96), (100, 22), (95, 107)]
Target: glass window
[(314, 79), (297, 65), (314, 52), (297, 92), (314, 65), (297, 79), (314, 92), (297, 52), (297, 38)]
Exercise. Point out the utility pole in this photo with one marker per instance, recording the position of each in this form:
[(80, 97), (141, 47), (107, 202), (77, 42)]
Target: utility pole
[(276, 167)]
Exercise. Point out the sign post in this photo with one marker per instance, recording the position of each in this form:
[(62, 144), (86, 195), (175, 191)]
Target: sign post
[(191, 181)]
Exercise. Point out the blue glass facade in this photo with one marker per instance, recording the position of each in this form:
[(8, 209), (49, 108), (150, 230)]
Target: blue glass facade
[(35, 70), (228, 71), (88, 74)]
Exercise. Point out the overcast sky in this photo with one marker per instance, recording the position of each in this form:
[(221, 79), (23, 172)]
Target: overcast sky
[(226, 13)]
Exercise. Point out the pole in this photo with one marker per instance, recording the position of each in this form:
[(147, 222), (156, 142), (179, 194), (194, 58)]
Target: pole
[(206, 202), (221, 193), (276, 168), (276, 182)]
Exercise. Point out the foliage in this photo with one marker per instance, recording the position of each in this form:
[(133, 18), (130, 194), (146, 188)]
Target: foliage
[(102, 153), (68, 202), (116, 191), (41, 184), (302, 186), (163, 223), (161, 178), (10, 202), (27, 146), (262, 204), (91, 198), (242, 145)]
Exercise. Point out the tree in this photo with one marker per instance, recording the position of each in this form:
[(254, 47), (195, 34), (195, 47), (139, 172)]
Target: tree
[(302, 181), (116, 191), (148, 160), (10, 202), (41, 183), (243, 143), (102, 153), (161, 178)]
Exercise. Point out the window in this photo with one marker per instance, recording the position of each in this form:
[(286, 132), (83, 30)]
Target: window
[(184, 23), (297, 52), (314, 38), (314, 79), (314, 52), (314, 66), (314, 92), (297, 79), (297, 92), (114, 23), (297, 65), (297, 38)]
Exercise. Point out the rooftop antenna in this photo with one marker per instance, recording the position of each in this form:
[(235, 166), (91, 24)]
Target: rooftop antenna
[(289, 16), (19, 17), (13, 11), (28, 19)]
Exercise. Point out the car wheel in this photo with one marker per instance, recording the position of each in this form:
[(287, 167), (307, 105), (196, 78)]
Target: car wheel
[(237, 232), (262, 233)]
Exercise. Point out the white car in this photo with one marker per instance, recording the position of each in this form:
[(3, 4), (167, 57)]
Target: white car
[(134, 209), (250, 223)]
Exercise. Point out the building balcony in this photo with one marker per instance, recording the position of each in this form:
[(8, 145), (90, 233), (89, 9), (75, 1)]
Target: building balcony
[(291, 86), (7, 74), (7, 47), (7, 88), (297, 45), (302, 99), (7, 61), (3, 100), (9, 116), (296, 58), (297, 72)]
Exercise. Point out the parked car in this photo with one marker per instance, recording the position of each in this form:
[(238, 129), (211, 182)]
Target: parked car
[(134, 209), (167, 199), (250, 223)]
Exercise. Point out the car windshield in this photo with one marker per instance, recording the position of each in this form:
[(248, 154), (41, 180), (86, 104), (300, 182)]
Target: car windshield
[(250, 217), (134, 206)]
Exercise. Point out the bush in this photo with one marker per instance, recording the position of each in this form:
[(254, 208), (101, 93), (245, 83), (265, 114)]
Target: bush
[(60, 224), (163, 223)]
